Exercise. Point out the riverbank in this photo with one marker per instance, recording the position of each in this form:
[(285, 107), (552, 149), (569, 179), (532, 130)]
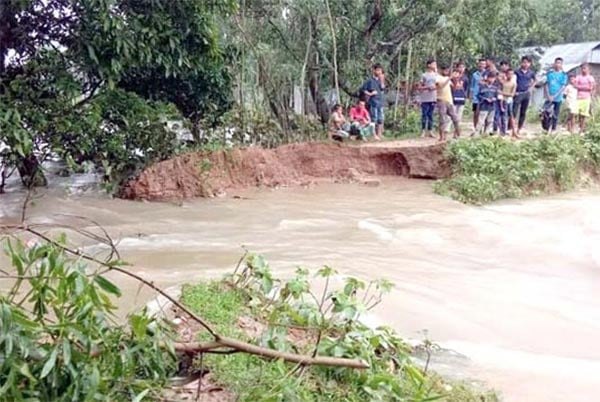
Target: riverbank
[(474, 171), (491, 169), (207, 174), (294, 315)]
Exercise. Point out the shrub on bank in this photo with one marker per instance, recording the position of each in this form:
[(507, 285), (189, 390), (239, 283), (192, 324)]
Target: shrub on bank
[(292, 316), (489, 169)]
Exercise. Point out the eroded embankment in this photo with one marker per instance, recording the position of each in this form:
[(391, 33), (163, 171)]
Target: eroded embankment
[(203, 174)]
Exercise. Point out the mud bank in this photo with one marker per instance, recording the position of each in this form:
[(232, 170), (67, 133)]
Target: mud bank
[(204, 174)]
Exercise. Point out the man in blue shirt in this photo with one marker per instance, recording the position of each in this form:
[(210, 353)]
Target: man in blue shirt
[(556, 82), (475, 82), (374, 88), (525, 83)]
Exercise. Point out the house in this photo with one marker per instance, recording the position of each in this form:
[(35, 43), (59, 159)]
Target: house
[(573, 55)]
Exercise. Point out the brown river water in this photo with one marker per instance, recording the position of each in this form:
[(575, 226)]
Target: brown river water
[(513, 287)]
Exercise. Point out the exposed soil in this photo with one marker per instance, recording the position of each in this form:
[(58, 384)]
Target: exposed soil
[(203, 174)]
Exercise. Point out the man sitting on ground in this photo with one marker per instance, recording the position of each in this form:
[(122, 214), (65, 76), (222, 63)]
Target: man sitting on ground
[(361, 119), (338, 127)]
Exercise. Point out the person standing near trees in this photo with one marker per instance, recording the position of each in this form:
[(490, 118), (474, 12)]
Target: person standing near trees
[(508, 90), (445, 104), (585, 85), (554, 90), (475, 83), (525, 83), (428, 98), (374, 88), (571, 100), (488, 96), (460, 87)]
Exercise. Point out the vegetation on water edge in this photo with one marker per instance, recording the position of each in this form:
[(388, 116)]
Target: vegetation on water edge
[(292, 316), (489, 169), (60, 339), (59, 336)]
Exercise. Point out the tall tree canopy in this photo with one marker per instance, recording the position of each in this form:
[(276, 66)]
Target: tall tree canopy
[(66, 64)]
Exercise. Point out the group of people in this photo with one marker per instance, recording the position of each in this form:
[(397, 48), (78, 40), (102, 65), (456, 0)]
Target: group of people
[(500, 98), (366, 116)]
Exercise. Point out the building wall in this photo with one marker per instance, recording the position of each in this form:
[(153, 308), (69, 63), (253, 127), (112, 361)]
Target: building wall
[(596, 73)]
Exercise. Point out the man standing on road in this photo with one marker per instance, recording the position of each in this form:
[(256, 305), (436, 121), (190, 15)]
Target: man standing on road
[(445, 104), (427, 98), (585, 84), (475, 82), (554, 90), (374, 88), (525, 83)]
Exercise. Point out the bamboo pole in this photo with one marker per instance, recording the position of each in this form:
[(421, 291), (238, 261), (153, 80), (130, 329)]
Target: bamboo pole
[(408, 84), (334, 40), (398, 80)]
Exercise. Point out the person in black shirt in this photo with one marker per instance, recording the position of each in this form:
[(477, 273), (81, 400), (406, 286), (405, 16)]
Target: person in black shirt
[(525, 83)]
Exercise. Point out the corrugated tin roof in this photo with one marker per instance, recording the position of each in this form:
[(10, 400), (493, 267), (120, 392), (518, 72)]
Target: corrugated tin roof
[(572, 54)]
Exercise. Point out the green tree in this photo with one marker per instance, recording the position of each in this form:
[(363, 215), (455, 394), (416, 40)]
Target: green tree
[(62, 60)]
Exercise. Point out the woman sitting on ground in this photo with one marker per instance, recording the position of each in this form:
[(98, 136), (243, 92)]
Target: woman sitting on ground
[(361, 119)]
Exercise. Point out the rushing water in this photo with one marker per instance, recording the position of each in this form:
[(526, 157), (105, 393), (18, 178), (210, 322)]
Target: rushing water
[(513, 286)]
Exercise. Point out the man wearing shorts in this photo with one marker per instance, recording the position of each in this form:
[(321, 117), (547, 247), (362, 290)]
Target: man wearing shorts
[(585, 85)]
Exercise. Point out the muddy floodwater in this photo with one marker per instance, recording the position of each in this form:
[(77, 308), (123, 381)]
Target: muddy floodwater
[(513, 287)]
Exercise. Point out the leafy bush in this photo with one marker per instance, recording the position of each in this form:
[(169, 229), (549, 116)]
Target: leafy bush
[(489, 169), (293, 317), (59, 340)]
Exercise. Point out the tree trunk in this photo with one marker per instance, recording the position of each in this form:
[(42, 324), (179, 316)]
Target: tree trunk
[(313, 82), (334, 43), (408, 83), (31, 172), (196, 131)]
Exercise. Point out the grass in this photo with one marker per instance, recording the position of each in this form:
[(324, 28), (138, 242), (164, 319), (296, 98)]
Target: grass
[(391, 376), (489, 169)]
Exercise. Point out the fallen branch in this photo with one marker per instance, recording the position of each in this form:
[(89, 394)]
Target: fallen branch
[(249, 348), (219, 341)]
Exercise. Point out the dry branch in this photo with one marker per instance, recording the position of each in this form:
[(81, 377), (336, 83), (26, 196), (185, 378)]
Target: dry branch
[(219, 342)]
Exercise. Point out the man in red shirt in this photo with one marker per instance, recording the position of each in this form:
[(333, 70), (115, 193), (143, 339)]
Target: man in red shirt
[(361, 119)]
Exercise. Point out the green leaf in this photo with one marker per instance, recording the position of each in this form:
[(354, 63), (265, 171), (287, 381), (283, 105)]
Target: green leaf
[(138, 325), (66, 351), (24, 370), (50, 363), (107, 285), (141, 395), (92, 54)]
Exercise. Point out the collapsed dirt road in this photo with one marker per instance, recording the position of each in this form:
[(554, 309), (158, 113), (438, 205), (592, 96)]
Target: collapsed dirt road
[(204, 174)]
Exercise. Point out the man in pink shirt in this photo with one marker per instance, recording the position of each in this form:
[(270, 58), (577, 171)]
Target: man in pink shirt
[(585, 85), (361, 119)]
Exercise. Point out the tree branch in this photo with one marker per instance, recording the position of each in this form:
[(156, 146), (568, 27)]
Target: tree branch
[(219, 341)]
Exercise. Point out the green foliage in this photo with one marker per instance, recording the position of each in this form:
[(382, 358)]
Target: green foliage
[(92, 87), (489, 169), (59, 340), (291, 315)]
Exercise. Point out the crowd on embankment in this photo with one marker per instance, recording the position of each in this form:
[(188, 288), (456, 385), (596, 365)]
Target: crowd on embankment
[(499, 98)]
